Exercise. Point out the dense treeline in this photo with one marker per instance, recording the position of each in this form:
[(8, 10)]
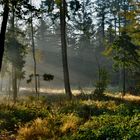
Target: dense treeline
[(89, 45), (97, 38)]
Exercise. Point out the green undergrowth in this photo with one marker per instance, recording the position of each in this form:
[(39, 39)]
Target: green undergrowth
[(70, 120)]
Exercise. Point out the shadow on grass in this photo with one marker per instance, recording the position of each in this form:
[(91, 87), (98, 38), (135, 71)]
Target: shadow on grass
[(104, 97), (87, 105)]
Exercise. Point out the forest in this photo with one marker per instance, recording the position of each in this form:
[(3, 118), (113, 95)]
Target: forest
[(69, 70)]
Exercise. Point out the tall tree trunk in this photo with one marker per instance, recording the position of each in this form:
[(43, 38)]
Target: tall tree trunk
[(14, 69), (119, 31), (1, 85), (64, 48), (33, 51), (3, 30), (9, 84), (14, 84), (18, 84), (115, 24), (124, 63), (99, 70), (124, 79), (103, 24)]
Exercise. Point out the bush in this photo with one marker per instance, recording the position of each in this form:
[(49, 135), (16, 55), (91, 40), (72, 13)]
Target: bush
[(84, 111), (38, 129), (110, 127), (102, 83), (70, 123), (12, 117)]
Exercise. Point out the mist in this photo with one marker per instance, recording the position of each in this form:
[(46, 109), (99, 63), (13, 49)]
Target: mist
[(90, 55)]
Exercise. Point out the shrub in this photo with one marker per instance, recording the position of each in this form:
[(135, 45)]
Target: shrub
[(12, 117), (102, 83), (87, 134), (41, 129), (70, 123), (110, 127), (38, 129)]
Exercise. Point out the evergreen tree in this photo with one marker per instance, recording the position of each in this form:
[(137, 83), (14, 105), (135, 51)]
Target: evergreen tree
[(15, 53), (102, 10), (21, 8), (126, 55)]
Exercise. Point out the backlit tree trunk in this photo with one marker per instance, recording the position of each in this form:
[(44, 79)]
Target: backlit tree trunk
[(33, 51), (64, 48), (14, 69)]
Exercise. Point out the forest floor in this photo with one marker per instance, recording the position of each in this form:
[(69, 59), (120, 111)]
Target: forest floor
[(86, 117)]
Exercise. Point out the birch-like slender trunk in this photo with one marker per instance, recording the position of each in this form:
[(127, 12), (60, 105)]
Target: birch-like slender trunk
[(33, 51)]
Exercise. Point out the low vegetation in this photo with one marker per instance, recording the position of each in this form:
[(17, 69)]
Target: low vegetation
[(107, 117)]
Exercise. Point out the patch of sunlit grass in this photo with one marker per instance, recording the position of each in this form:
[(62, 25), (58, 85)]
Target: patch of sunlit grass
[(70, 123), (56, 90), (132, 97), (110, 105), (127, 97), (39, 128)]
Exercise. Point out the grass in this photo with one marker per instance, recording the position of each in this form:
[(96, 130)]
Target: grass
[(86, 117)]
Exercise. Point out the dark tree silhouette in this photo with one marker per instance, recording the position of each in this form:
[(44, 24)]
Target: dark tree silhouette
[(64, 48), (3, 30)]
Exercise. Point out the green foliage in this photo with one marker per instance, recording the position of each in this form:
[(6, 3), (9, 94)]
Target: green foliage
[(75, 6), (102, 83), (109, 127), (46, 77), (125, 52), (71, 120), (134, 84), (16, 50), (12, 117)]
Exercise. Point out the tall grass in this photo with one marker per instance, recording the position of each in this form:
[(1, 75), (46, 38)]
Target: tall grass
[(55, 118)]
